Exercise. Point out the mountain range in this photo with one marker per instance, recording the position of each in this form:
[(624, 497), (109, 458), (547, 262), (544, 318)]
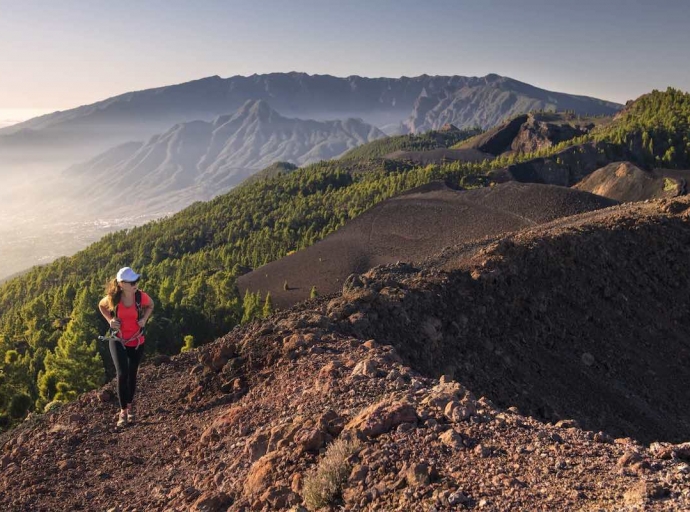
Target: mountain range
[(396, 105)]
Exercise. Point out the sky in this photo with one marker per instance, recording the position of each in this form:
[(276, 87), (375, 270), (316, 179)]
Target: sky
[(59, 55)]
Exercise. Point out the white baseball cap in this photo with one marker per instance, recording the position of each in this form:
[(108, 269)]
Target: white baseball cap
[(127, 274)]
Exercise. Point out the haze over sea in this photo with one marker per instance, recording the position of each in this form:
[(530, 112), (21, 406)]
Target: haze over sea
[(10, 116)]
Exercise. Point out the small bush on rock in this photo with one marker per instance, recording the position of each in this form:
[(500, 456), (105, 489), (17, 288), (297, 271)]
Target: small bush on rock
[(52, 406), (324, 483)]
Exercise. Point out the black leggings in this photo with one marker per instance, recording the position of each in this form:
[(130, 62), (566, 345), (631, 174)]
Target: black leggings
[(126, 361)]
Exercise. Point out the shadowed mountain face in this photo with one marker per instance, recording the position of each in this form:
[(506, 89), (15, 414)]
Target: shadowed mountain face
[(428, 102), (198, 160), (413, 227)]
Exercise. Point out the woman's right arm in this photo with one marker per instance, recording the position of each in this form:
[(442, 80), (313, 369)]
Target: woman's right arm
[(114, 323)]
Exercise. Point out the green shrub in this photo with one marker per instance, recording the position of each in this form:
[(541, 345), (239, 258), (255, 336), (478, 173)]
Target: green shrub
[(19, 405), (188, 343), (11, 356), (323, 484)]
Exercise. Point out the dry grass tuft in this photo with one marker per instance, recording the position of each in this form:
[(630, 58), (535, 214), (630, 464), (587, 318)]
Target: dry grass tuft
[(324, 483)]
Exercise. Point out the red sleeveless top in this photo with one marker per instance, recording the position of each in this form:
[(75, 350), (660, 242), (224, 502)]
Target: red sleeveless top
[(128, 317)]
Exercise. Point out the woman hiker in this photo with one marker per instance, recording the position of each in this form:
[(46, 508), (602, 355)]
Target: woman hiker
[(126, 309)]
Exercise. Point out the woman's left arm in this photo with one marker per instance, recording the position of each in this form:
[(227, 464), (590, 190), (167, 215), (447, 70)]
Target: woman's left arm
[(146, 312)]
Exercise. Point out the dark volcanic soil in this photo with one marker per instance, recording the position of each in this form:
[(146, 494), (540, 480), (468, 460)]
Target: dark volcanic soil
[(411, 228), (574, 319), (583, 320)]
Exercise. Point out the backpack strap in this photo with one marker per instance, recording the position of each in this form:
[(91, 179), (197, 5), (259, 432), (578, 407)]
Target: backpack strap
[(137, 301)]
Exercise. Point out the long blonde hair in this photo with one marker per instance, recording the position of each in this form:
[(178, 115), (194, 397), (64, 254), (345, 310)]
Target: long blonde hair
[(113, 293)]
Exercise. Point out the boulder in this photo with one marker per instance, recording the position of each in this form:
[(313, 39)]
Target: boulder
[(381, 417), (212, 502), (259, 475), (452, 439)]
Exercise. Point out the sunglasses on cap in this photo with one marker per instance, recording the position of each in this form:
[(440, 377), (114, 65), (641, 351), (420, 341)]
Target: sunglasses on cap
[(130, 282)]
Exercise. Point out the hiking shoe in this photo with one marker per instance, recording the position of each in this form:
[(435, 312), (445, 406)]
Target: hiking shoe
[(122, 419), (130, 414)]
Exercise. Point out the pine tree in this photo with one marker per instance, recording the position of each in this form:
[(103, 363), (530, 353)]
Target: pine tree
[(75, 364), (251, 306), (165, 291), (268, 306)]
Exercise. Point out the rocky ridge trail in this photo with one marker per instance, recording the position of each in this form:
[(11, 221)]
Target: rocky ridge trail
[(242, 423)]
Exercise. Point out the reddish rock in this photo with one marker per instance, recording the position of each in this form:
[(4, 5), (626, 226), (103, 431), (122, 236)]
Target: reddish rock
[(567, 424), (629, 458), (257, 446), (452, 439), (382, 417), (668, 451), (418, 475), (104, 395), (296, 482), (444, 393), (216, 357), (278, 497), (370, 344), (76, 418), (365, 369), (294, 342), (66, 464), (259, 475), (224, 423), (212, 502), (311, 439), (456, 413)]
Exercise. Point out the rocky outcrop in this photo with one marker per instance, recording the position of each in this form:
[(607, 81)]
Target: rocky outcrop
[(565, 168), (541, 131), (625, 182)]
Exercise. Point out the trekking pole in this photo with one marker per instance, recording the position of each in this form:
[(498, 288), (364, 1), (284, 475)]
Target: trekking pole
[(112, 335)]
